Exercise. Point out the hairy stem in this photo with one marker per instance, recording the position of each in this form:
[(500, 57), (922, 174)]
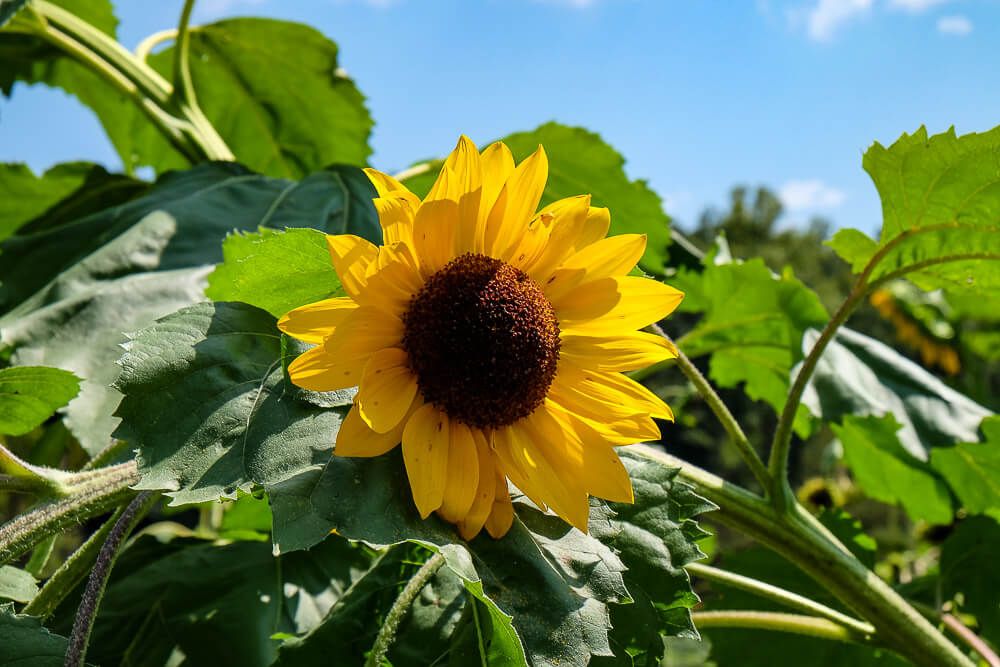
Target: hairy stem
[(797, 624), (97, 492), (387, 633), (779, 595), (86, 614), (722, 413)]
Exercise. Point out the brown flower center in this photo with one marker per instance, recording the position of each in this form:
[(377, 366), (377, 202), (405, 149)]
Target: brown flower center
[(483, 341)]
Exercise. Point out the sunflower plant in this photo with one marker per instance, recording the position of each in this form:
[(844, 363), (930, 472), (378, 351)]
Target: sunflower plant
[(277, 407)]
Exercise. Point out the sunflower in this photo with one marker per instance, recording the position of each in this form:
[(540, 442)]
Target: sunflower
[(490, 341)]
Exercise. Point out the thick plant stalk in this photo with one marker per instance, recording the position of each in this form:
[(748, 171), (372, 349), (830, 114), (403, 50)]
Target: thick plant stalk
[(76, 651), (796, 624), (387, 633), (896, 623)]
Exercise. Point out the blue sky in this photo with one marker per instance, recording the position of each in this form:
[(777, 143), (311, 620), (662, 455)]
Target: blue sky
[(698, 95)]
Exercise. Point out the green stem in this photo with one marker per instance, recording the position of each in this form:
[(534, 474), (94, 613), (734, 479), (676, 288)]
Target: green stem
[(69, 575), (387, 633), (39, 558), (796, 624), (90, 494), (779, 595), (722, 413), (483, 660), (897, 624), (76, 650)]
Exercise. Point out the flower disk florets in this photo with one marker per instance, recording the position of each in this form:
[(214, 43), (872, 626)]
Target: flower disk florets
[(483, 341)]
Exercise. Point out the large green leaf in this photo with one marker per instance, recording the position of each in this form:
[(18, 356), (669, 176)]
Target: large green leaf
[(972, 469), (8, 8), (753, 327), (16, 584), (81, 285), (888, 472), (858, 375), (208, 406), (216, 604), (580, 162), (655, 537), (276, 271), (26, 643), (64, 192), (940, 208), (30, 394), (274, 92), (969, 573)]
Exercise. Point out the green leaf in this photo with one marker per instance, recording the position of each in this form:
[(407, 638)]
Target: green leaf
[(216, 604), (207, 404), (972, 469), (26, 643), (65, 190), (31, 394), (580, 162), (274, 91), (858, 375), (753, 327), (969, 573), (889, 473), (940, 209), (8, 8), (276, 271), (81, 285), (17, 584)]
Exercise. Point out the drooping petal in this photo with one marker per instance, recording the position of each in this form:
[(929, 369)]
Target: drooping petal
[(395, 214), (315, 321), (617, 393), (425, 453), (611, 305), (625, 352), (386, 390), (613, 256), (355, 438), (568, 219), (463, 474), (352, 256), (482, 504), (362, 333), (502, 513)]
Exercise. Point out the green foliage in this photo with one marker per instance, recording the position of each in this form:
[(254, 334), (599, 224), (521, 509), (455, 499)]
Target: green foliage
[(8, 8), (274, 92), (972, 469), (940, 205), (17, 584), (207, 404), (753, 327), (889, 473), (276, 271), (26, 643), (964, 578), (30, 394), (580, 162)]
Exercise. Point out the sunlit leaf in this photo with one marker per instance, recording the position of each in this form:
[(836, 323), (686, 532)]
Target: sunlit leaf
[(31, 394), (972, 469)]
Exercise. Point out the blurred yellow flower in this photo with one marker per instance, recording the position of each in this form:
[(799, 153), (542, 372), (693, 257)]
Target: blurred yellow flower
[(490, 341)]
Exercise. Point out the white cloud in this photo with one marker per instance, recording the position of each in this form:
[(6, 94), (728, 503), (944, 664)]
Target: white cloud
[(915, 6), (823, 19), (810, 194), (959, 26)]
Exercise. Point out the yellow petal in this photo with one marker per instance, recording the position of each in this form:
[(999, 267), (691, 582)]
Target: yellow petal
[(625, 352), (362, 333), (465, 187), (611, 305), (386, 390), (355, 438), (425, 453), (502, 513), (516, 204), (497, 165), (463, 474), (434, 234), (392, 285), (482, 504), (387, 186), (613, 256), (568, 219), (621, 396), (318, 370), (315, 321), (351, 255), (395, 214), (601, 469), (596, 227)]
